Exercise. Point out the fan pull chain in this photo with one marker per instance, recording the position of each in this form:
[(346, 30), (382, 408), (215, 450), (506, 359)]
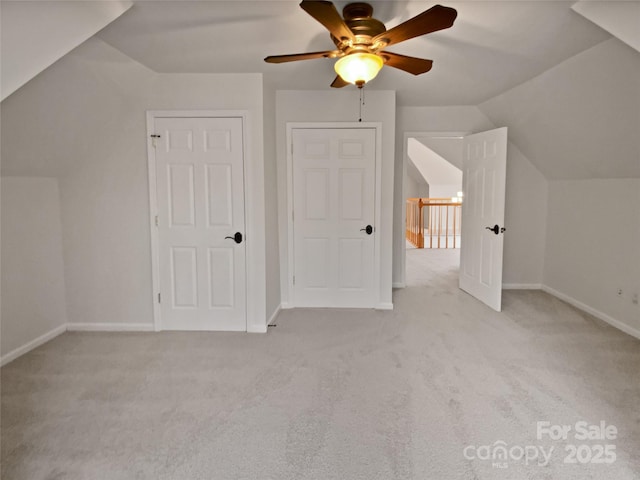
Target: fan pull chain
[(361, 102)]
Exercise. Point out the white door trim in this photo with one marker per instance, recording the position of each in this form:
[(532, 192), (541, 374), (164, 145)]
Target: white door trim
[(287, 284), (405, 160), (254, 289)]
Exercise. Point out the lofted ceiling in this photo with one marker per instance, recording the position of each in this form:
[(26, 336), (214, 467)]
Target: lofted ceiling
[(434, 168), (31, 37), (492, 47)]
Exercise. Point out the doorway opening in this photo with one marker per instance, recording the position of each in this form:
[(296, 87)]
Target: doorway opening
[(433, 199), (483, 158)]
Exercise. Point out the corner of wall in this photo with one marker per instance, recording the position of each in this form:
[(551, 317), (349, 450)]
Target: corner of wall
[(33, 289), (586, 264)]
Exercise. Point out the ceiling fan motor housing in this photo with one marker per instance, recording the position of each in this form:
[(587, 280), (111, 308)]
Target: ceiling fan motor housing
[(358, 17)]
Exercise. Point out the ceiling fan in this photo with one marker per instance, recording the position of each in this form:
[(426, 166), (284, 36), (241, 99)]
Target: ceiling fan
[(361, 39)]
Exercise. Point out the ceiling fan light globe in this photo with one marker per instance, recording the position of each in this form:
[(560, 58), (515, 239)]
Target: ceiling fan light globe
[(359, 68)]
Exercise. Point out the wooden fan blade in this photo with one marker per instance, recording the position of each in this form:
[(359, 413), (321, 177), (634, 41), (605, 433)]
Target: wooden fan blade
[(326, 13), (339, 82), (301, 56), (408, 64), (432, 20)]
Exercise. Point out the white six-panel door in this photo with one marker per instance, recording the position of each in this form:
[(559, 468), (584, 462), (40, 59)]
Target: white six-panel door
[(483, 180), (333, 203), (200, 199)]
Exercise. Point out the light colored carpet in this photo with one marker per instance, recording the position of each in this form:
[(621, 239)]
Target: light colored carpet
[(329, 394)]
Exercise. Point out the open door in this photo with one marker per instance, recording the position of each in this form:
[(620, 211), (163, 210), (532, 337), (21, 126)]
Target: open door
[(483, 183)]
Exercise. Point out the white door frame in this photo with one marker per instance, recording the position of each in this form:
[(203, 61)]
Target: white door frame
[(254, 289), (405, 161), (377, 202)]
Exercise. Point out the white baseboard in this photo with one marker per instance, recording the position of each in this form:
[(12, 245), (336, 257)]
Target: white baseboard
[(521, 286), (263, 328), (286, 306), (256, 329), (398, 285), (384, 306), (110, 327), (592, 311), (27, 347), (274, 316)]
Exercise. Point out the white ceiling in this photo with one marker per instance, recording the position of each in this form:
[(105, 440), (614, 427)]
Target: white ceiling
[(448, 147), (435, 169), (32, 38), (492, 47)]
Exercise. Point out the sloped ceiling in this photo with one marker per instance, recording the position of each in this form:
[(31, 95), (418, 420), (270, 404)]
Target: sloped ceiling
[(493, 45), (567, 90), (95, 83), (35, 34), (447, 147), (580, 119), (435, 169), (621, 19)]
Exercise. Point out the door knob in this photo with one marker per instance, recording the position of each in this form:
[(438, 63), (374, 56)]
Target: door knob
[(237, 237), (496, 229), (368, 229)]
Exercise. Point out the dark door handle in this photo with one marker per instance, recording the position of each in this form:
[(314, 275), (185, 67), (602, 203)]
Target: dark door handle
[(237, 237), (368, 229), (496, 229)]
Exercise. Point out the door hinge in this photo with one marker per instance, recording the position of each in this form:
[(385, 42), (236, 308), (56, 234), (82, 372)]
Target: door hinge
[(159, 299), (293, 215), (294, 279), (154, 137), (156, 220)]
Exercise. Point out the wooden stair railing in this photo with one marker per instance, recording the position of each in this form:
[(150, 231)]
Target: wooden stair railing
[(443, 221), (415, 222)]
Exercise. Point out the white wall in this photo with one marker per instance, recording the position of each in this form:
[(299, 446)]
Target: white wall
[(340, 106), (593, 246), (416, 186), (415, 189), (37, 33), (272, 247), (525, 220), (87, 113), (445, 191), (576, 123), (33, 290)]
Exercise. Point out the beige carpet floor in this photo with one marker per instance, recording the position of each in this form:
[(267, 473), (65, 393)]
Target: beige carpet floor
[(426, 391)]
